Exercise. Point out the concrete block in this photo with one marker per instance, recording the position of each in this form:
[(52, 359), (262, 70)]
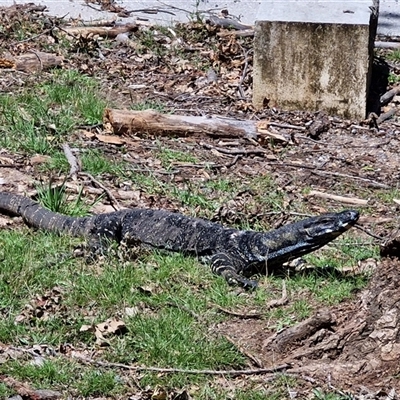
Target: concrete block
[(314, 55)]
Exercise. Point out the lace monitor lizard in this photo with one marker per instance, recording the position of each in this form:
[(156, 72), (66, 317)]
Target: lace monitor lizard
[(234, 254)]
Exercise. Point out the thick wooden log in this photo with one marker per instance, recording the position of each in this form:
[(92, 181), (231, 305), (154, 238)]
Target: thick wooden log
[(31, 62), (150, 122)]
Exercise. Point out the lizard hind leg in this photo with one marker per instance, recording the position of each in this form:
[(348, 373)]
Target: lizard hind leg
[(222, 265)]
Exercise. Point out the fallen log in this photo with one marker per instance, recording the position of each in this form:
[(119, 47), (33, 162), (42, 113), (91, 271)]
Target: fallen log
[(150, 122), (31, 62)]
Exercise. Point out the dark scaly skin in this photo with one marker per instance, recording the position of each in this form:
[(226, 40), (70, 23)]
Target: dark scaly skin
[(232, 253)]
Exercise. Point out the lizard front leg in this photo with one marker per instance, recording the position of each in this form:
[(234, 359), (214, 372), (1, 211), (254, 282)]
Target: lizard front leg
[(222, 265)]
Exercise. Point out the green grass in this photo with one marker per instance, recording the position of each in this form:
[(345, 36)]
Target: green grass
[(148, 105), (36, 121), (163, 332)]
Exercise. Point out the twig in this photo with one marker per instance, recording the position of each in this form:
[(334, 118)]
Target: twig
[(368, 232), (387, 115), (329, 173), (257, 362), (32, 38), (231, 372), (228, 165), (237, 314), (347, 200), (72, 161), (279, 302), (153, 10), (184, 308), (371, 181), (287, 126), (113, 200), (388, 96), (234, 151)]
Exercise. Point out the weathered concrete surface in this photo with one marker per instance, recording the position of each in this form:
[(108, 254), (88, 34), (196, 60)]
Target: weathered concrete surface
[(317, 56), (170, 11)]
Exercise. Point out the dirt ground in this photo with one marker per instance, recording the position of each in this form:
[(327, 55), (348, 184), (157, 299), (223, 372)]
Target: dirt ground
[(356, 343)]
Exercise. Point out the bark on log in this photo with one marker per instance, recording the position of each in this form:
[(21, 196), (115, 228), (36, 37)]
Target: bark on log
[(31, 62), (322, 319), (149, 122)]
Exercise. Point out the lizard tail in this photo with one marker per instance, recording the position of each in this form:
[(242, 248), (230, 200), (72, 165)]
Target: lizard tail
[(39, 217)]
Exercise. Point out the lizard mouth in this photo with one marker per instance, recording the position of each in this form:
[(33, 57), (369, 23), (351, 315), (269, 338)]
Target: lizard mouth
[(331, 225)]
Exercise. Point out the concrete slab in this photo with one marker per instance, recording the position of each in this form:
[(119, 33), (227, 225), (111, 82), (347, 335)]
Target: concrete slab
[(304, 56)]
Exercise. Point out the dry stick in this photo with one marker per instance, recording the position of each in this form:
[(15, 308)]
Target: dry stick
[(387, 115), (257, 362), (113, 200), (388, 96), (207, 165), (347, 200), (279, 302), (369, 233), (287, 126), (329, 173), (232, 372), (237, 314), (184, 308), (75, 169), (235, 151), (33, 37), (371, 181), (228, 165), (72, 161)]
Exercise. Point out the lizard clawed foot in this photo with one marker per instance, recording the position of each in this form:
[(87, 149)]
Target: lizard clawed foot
[(234, 279)]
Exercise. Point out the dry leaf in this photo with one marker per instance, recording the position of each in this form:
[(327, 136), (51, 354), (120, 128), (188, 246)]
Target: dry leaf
[(159, 394), (39, 159), (117, 140), (112, 327)]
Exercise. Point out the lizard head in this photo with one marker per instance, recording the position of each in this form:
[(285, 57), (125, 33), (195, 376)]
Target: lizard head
[(303, 237), (326, 227)]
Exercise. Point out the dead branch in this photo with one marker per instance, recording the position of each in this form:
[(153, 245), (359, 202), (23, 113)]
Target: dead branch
[(227, 23), (72, 161), (281, 340), (387, 115), (347, 200), (257, 362), (238, 314), (239, 33), (233, 372), (113, 200), (287, 126), (279, 302), (150, 122), (388, 96), (234, 151), (102, 31)]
